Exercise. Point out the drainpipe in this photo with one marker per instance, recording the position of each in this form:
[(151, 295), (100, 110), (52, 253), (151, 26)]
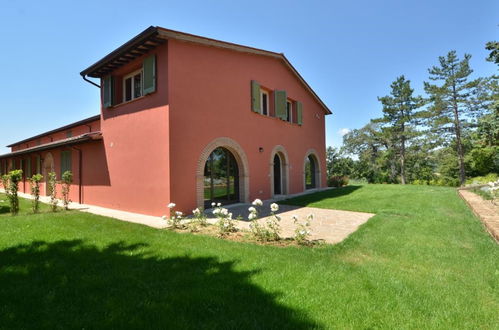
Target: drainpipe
[(80, 175), (89, 81)]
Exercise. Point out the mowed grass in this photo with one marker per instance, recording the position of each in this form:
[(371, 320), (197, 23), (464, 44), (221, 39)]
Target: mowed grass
[(424, 261)]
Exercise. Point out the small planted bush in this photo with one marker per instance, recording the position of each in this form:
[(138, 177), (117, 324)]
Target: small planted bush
[(67, 180), (271, 230), (302, 231), (337, 181), (34, 182), (15, 177), (199, 219), (225, 222), (5, 183), (175, 219), (52, 185)]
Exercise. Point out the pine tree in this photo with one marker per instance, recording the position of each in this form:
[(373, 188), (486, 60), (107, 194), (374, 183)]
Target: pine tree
[(399, 112), (452, 101)]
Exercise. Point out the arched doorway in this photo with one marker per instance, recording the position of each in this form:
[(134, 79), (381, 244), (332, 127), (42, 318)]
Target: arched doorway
[(221, 178), (48, 166), (277, 175), (311, 172), (279, 171)]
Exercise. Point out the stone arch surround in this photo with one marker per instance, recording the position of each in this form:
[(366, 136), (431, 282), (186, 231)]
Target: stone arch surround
[(242, 164)]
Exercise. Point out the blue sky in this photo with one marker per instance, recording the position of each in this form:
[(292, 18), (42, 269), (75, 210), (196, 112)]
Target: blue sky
[(348, 51)]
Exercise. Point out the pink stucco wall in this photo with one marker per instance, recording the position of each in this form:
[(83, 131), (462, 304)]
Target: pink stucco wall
[(151, 146), (210, 97)]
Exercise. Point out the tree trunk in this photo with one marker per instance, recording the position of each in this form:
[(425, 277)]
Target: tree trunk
[(402, 156), (460, 151)]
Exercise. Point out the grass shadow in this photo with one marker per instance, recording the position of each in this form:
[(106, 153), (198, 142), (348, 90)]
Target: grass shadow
[(321, 195), (71, 284), (4, 209)]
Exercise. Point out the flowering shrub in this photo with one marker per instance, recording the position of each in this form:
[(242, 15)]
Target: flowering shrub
[(5, 183), (273, 226), (199, 219), (52, 181), (225, 222), (271, 230), (34, 182), (302, 231), (67, 179), (176, 217), (14, 177)]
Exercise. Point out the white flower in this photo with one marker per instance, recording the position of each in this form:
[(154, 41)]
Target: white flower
[(171, 205), (229, 215), (302, 232), (225, 211), (226, 224), (251, 216), (252, 209), (274, 207), (219, 204), (178, 213), (196, 211), (216, 211), (164, 217), (257, 202), (213, 204)]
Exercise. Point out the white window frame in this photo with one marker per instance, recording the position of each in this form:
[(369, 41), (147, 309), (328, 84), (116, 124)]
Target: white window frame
[(262, 92), (290, 110), (132, 75)]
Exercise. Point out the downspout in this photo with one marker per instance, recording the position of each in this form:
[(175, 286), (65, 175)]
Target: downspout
[(89, 81), (80, 175)]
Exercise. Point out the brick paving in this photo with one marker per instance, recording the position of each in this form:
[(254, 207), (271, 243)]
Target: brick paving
[(330, 226), (485, 210)]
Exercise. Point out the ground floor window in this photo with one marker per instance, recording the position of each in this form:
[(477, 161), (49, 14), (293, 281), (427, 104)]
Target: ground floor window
[(310, 168), (221, 178)]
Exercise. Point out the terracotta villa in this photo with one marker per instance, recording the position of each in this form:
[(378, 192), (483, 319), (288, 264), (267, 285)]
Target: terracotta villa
[(189, 120)]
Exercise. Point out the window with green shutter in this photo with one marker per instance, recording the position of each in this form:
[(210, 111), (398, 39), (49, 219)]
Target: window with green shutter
[(108, 91), (65, 161), (149, 72), (255, 97), (280, 98), (299, 113)]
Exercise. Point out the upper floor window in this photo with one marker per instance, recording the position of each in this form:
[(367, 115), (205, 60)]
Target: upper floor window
[(289, 111), (264, 102), (132, 86), (135, 84)]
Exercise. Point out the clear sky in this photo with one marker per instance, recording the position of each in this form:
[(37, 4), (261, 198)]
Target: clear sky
[(348, 51)]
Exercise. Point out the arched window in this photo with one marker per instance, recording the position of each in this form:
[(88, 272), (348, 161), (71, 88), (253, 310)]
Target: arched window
[(221, 178), (310, 171)]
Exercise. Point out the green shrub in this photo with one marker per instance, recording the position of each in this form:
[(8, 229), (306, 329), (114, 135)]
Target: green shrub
[(337, 181), (34, 182), (5, 183), (67, 179), (15, 177), (52, 185), (491, 177)]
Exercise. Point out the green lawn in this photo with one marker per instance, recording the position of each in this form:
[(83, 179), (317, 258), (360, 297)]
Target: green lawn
[(424, 261)]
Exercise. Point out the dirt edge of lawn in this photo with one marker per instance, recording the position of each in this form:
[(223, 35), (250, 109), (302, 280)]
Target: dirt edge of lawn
[(485, 210)]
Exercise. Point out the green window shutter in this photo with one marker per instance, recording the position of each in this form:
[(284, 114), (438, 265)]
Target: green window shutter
[(65, 161), (280, 98), (299, 113), (38, 161), (255, 97), (21, 165), (149, 72), (28, 167), (13, 166), (108, 91)]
